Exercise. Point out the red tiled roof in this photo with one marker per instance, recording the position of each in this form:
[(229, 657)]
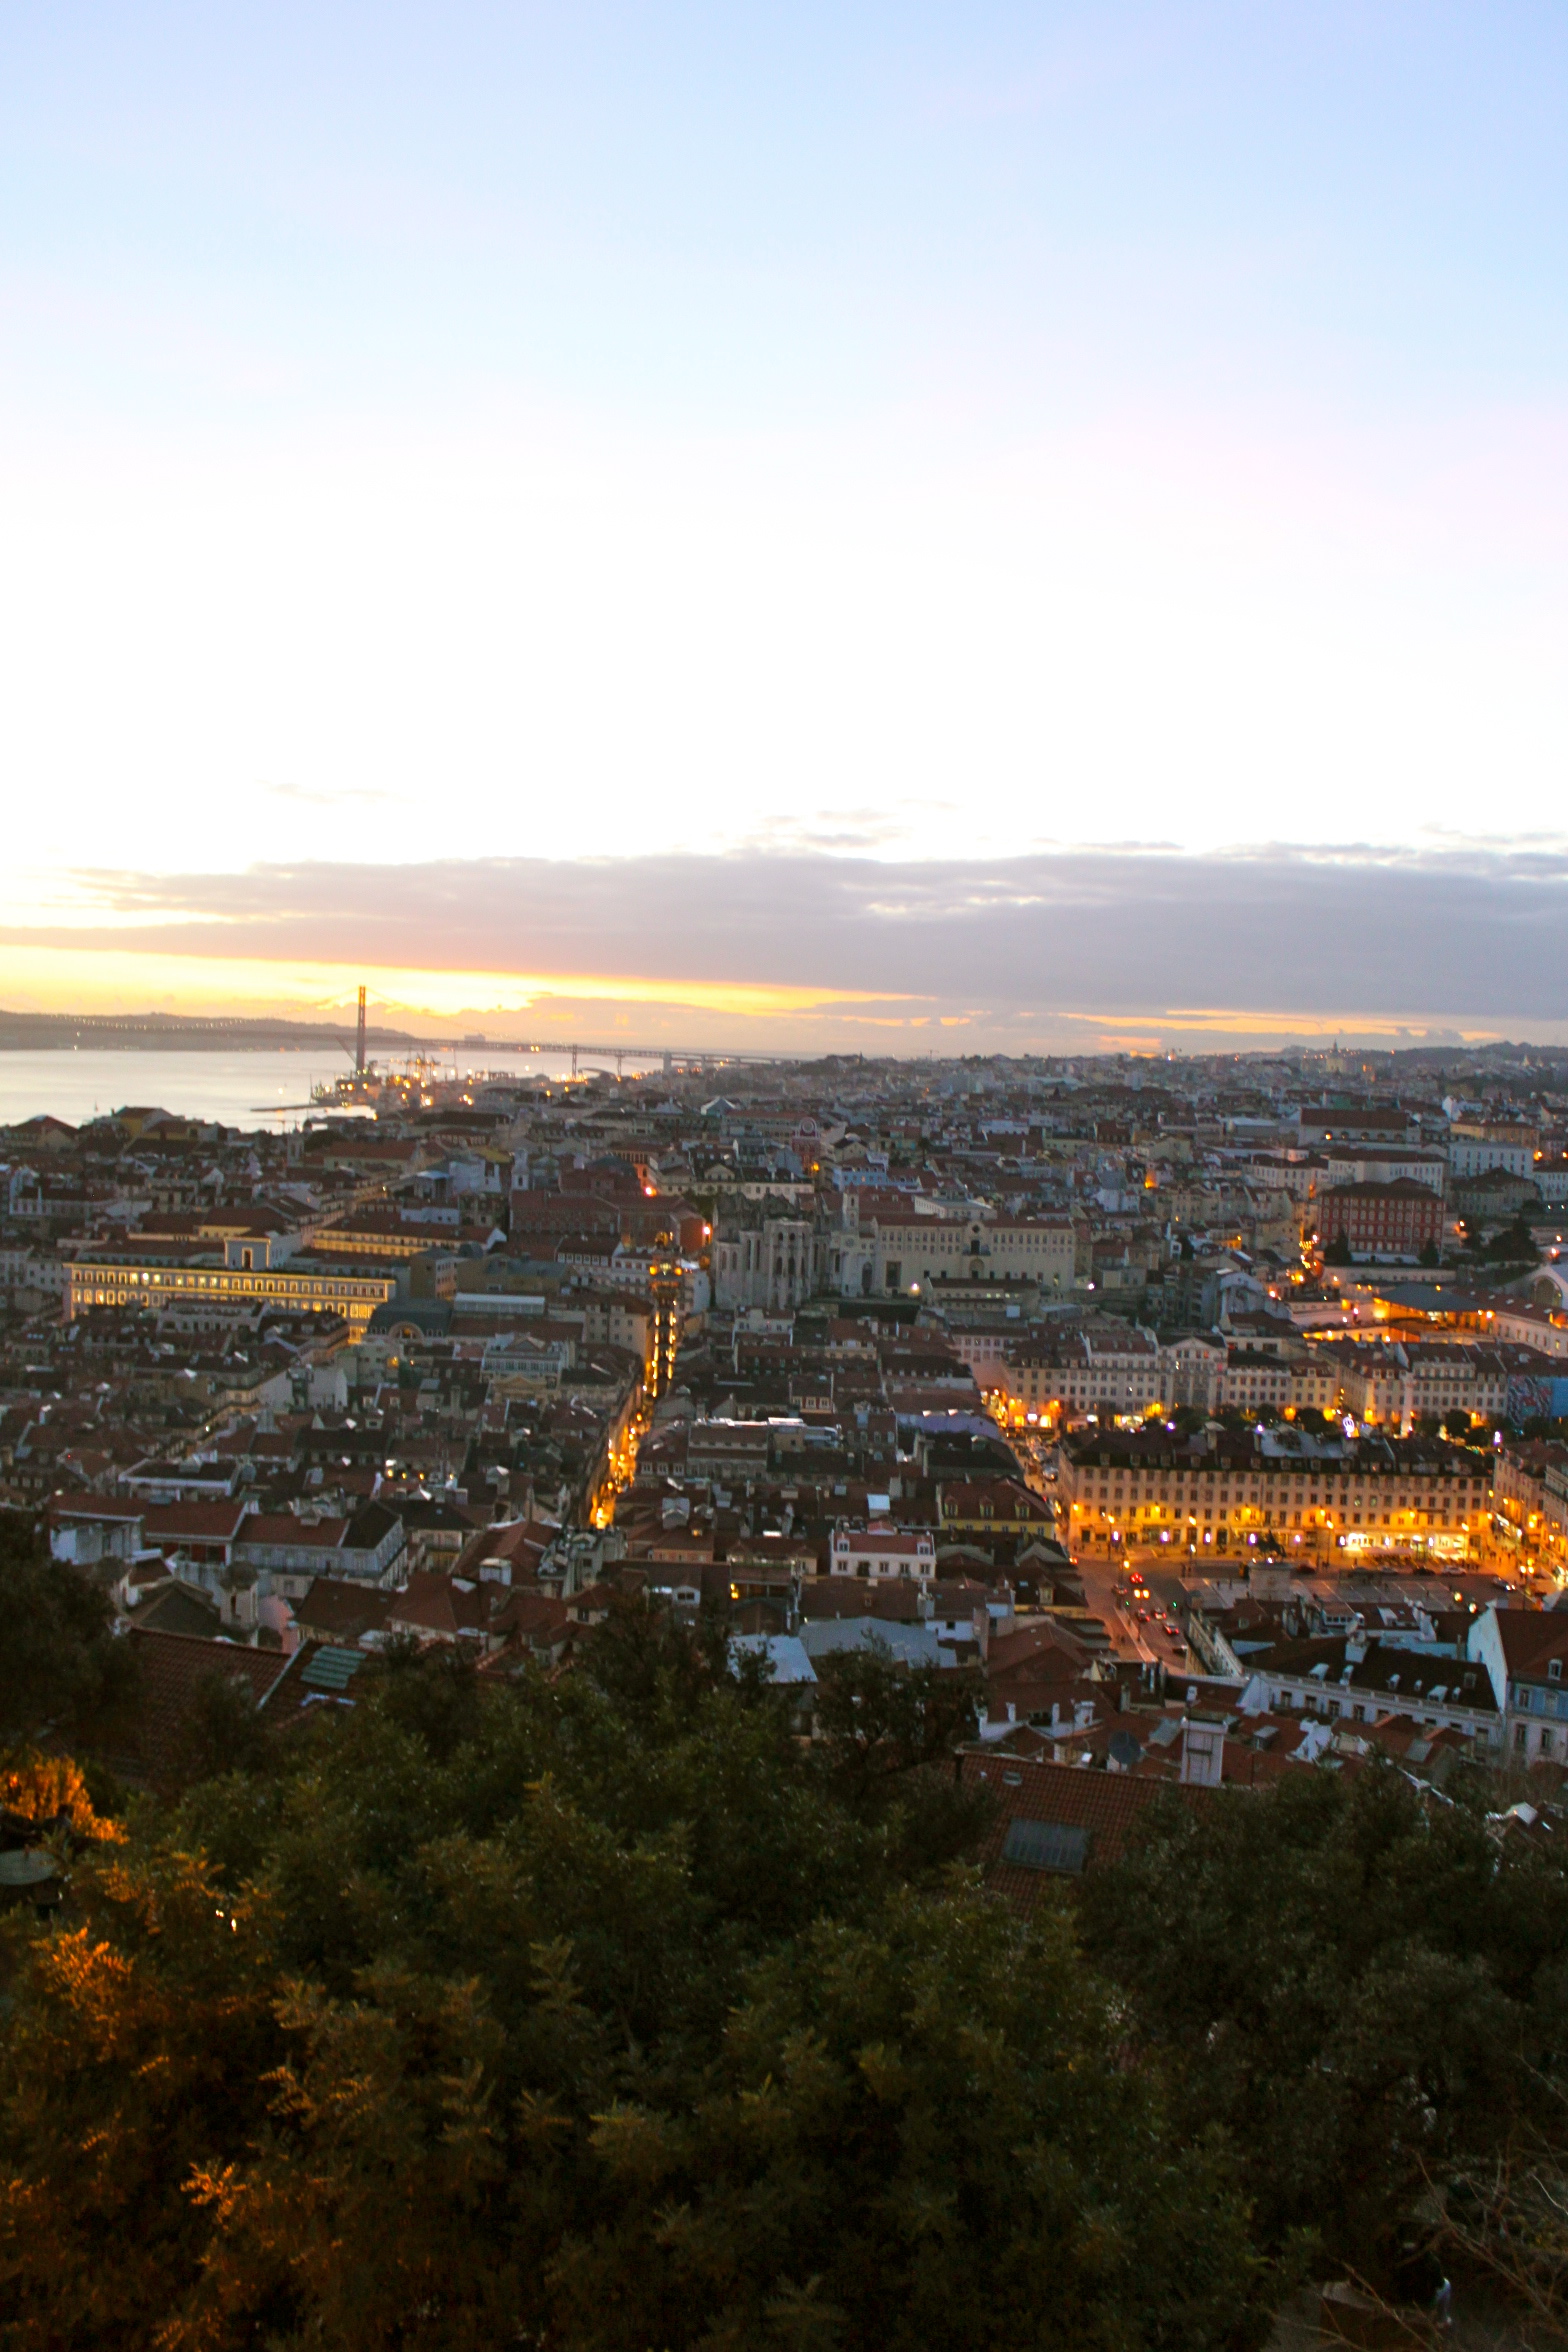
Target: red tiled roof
[(94, 1507), (1036, 1653), (537, 1619), (1530, 1636), (341, 1608), (282, 1527), (520, 1542), (434, 1603), (171, 1669), (1107, 1805), (193, 1522)]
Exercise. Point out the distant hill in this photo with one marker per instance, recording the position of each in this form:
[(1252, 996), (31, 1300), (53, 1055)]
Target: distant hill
[(180, 1032)]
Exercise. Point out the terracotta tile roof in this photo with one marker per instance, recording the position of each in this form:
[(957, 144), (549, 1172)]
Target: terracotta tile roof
[(535, 1621), (171, 1669), (436, 1604), (341, 1609), (282, 1527), (1035, 1654), (522, 1543), (1105, 1806), (177, 1608), (1530, 1637), (193, 1522)]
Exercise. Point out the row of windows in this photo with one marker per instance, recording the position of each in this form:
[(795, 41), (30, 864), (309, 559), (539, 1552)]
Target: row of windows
[(1368, 1711), (111, 1287), (1361, 1489), (1224, 1511)]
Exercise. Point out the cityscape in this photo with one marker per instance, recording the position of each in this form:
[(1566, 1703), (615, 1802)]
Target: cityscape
[(1057, 1439), (1122, 1362), (784, 1178)]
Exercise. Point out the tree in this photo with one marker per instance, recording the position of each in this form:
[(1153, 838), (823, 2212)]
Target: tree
[(1365, 1993), (879, 2168), (222, 1732), (1513, 1246), (60, 1665), (1339, 1252), (880, 1719), (597, 2013)]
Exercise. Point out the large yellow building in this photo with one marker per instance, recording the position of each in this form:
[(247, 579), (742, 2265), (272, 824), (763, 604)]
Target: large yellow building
[(237, 1274), (1355, 1504)]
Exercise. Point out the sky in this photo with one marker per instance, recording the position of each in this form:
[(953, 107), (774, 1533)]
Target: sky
[(935, 527)]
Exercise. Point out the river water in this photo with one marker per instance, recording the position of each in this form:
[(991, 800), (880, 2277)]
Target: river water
[(242, 1089)]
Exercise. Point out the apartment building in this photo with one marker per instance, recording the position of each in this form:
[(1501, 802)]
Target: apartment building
[(1343, 1164), (1333, 1501), (1477, 1150), (910, 1251), (1356, 1679), (876, 1552), (1112, 1368), (1397, 1220), (1525, 1653), (139, 1274)]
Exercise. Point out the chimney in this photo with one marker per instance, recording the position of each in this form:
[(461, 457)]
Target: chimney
[(1203, 1751)]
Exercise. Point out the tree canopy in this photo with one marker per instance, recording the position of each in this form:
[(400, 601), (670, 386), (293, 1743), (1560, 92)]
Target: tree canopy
[(59, 1663), (604, 2013), (1360, 1986), (596, 2013)]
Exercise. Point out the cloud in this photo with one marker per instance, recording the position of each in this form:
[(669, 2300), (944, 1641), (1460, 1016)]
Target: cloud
[(306, 797), (1440, 935)]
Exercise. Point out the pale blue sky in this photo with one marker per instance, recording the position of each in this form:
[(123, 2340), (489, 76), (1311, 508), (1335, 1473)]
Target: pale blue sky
[(727, 216), (923, 430)]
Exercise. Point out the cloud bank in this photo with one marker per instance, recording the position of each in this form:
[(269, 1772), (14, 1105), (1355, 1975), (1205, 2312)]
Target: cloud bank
[(1250, 943)]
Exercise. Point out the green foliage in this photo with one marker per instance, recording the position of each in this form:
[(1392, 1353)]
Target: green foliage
[(925, 2117), (597, 2013), (1513, 1246), (606, 2013), (59, 1664), (880, 1720), (222, 1732), (1364, 1993)]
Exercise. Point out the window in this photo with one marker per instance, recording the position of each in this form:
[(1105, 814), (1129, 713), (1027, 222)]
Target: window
[(1046, 1845), (1554, 1670)]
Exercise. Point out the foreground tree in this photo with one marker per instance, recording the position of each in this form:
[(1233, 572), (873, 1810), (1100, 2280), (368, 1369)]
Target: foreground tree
[(595, 2014), (1359, 1984), (60, 1668)]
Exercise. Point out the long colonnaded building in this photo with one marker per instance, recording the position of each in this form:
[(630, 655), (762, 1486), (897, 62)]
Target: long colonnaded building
[(160, 1274), (1335, 1502)]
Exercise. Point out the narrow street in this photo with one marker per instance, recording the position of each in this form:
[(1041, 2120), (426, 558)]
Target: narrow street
[(622, 1467), (1118, 1593)]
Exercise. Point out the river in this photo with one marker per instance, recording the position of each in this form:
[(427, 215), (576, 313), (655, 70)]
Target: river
[(239, 1088)]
